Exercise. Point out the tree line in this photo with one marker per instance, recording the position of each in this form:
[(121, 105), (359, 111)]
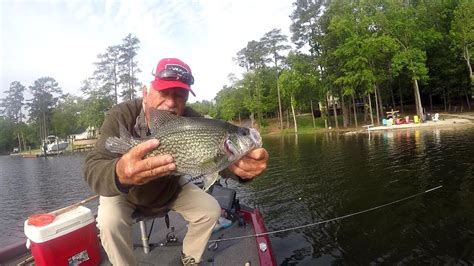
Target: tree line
[(363, 58), (345, 60), (26, 122)]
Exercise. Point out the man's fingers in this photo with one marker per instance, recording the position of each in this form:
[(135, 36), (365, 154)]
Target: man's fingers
[(258, 154), (246, 165), (142, 149), (153, 162), (241, 172), (251, 165), (146, 176)]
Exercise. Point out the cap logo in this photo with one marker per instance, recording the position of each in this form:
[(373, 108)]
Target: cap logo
[(178, 68)]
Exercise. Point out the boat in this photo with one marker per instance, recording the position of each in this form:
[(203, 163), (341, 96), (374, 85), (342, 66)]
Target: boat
[(158, 241), (15, 152), (53, 145)]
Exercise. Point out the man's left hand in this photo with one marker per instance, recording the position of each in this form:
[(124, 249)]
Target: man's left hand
[(251, 165)]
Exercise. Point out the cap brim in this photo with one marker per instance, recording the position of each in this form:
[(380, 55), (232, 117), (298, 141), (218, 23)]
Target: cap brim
[(160, 85)]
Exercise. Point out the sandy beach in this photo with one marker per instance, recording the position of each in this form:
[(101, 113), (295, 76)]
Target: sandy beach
[(446, 120)]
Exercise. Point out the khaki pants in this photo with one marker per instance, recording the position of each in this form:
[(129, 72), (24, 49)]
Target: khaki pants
[(115, 221)]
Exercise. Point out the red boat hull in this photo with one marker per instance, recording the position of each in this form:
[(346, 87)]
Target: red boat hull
[(265, 252)]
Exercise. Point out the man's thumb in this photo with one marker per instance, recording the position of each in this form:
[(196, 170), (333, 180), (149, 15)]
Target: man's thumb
[(144, 148)]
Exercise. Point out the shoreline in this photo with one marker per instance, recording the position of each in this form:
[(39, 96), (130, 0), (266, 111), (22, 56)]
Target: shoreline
[(454, 120), (449, 122)]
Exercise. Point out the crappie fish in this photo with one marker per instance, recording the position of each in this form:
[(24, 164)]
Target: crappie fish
[(199, 146)]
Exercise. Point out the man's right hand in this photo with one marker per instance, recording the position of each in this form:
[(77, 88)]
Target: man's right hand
[(132, 169)]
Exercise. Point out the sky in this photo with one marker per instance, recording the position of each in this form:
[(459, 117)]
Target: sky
[(61, 39)]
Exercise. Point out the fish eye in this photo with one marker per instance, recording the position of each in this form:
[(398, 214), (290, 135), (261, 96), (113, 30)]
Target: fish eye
[(243, 131)]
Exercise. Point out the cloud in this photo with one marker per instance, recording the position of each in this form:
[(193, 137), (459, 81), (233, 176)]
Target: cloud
[(62, 39)]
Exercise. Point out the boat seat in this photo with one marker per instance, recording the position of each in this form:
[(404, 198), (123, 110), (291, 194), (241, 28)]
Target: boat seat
[(141, 218)]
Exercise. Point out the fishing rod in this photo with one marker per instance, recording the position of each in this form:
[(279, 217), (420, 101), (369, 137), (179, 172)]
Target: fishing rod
[(41, 219), (73, 206), (328, 220)]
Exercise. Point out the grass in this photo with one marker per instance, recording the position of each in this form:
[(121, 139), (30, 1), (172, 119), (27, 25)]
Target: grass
[(305, 124)]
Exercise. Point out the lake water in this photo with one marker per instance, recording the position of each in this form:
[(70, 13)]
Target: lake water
[(313, 178)]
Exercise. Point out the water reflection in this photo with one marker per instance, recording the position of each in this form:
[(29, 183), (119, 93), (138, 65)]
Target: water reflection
[(35, 185), (322, 176), (312, 178)]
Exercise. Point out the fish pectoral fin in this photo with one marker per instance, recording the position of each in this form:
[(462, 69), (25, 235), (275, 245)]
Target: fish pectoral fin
[(209, 180), (208, 164), (118, 145)]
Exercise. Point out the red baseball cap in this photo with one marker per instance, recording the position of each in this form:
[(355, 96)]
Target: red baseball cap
[(172, 73)]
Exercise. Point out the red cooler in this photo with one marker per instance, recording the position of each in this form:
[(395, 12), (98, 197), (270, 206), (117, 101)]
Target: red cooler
[(71, 239)]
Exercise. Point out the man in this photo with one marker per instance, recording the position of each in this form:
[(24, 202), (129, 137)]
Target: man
[(132, 182)]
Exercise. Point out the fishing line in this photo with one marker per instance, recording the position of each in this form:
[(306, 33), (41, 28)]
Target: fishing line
[(328, 220)]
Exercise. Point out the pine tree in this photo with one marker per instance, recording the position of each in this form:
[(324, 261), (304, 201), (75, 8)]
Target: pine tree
[(12, 104), (128, 66)]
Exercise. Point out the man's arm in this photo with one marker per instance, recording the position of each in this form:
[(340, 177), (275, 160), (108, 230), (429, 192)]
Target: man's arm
[(99, 167)]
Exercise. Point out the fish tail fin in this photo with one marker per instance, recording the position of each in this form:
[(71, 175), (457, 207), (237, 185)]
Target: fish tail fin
[(120, 145)]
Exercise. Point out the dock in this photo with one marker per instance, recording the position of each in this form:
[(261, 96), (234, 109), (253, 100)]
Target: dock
[(30, 155), (83, 145)]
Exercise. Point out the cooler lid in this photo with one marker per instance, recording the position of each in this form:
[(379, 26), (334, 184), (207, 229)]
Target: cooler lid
[(61, 225)]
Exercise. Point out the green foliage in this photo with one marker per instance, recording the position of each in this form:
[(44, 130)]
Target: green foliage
[(204, 107), (300, 80), (7, 140), (11, 131), (107, 73), (117, 68), (411, 28), (306, 121), (12, 104), (252, 56), (462, 33), (93, 113), (66, 116), (414, 60), (46, 93), (306, 27), (228, 103), (51, 112), (354, 47), (251, 93), (95, 105), (274, 42), (128, 66), (462, 25)]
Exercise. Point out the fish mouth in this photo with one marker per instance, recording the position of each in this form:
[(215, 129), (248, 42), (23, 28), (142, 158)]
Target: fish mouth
[(230, 149), (244, 144)]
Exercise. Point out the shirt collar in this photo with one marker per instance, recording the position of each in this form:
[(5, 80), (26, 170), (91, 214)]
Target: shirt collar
[(141, 127)]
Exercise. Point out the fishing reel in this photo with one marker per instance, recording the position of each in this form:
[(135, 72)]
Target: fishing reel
[(171, 237)]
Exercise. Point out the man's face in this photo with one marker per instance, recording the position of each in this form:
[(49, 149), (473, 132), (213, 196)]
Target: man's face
[(172, 100)]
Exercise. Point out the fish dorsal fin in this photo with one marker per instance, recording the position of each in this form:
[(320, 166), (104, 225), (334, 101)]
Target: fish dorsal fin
[(159, 118)]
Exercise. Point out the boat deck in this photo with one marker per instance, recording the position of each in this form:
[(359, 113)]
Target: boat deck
[(234, 252)]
